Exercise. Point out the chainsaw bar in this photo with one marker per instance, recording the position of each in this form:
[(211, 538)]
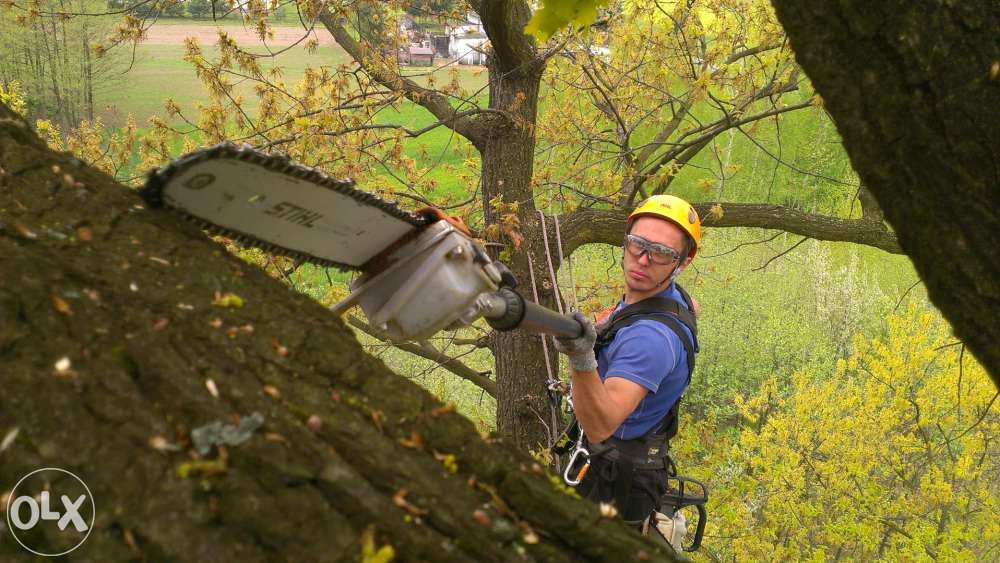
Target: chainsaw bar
[(237, 191)]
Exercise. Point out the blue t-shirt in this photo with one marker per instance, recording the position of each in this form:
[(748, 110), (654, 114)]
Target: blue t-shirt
[(651, 355)]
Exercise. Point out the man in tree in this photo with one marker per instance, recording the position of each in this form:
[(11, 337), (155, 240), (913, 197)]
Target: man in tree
[(627, 388)]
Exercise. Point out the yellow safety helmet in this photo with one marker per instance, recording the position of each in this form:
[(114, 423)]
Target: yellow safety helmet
[(673, 209)]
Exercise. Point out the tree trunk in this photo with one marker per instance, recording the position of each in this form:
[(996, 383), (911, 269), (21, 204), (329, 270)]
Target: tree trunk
[(523, 409), (914, 88), (87, 77), (505, 140), (108, 341)]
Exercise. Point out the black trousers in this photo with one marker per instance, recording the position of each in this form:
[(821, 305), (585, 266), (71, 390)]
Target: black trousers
[(648, 485)]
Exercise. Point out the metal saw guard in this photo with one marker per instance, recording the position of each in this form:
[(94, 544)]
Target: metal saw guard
[(440, 279)]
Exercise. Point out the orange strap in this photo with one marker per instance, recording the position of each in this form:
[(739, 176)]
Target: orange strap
[(438, 215), (604, 315)]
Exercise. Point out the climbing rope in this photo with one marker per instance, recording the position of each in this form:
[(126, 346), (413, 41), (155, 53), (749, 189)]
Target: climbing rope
[(567, 260), (548, 259), (556, 385), (551, 382), (556, 388)]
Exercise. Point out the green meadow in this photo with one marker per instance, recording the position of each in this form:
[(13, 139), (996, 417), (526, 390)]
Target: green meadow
[(808, 141)]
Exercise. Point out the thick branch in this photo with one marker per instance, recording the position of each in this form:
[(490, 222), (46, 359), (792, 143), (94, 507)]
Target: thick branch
[(504, 22), (679, 161), (427, 351), (432, 100), (664, 133), (751, 51), (586, 225)]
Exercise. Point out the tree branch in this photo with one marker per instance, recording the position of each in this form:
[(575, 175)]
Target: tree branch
[(779, 255), (426, 350), (432, 100), (586, 225), (751, 51), (683, 153)]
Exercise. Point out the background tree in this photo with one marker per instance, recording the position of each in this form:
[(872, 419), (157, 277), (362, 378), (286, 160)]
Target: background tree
[(174, 9), (908, 473), (910, 86), (199, 8), (52, 57)]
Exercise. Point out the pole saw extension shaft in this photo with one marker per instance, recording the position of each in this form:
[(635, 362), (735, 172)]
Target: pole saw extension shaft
[(508, 310)]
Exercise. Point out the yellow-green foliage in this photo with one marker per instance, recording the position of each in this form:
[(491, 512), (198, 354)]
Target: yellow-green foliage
[(893, 457), (12, 97), (652, 80), (370, 552), (553, 15)]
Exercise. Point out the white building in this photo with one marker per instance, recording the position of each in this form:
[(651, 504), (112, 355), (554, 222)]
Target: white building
[(468, 49), (467, 43)]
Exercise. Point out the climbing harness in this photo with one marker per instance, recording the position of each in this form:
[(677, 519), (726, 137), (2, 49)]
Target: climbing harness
[(649, 452)]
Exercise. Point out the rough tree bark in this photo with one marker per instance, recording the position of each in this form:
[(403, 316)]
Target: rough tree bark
[(914, 88), (126, 294), (508, 149)]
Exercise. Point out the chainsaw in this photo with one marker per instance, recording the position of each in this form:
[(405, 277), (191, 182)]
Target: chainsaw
[(421, 272)]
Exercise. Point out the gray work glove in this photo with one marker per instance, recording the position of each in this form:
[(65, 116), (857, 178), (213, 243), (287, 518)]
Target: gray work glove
[(580, 350)]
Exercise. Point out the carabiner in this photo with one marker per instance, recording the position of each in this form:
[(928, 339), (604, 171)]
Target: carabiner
[(580, 450)]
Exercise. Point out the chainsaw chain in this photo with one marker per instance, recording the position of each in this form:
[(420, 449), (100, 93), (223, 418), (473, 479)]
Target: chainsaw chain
[(157, 179)]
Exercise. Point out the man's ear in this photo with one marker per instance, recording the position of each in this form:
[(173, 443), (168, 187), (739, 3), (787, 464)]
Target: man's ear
[(683, 265)]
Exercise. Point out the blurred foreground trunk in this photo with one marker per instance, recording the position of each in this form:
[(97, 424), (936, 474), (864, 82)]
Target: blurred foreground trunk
[(108, 341)]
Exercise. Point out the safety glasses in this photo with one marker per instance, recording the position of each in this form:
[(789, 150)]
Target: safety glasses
[(657, 253)]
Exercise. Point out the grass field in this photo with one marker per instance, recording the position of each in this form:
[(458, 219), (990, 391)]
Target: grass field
[(808, 140), (160, 72)]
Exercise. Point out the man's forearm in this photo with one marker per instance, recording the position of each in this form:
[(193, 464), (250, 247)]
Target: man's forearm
[(595, 409)]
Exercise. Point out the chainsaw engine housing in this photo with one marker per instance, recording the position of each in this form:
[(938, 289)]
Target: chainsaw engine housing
[(434, 281)]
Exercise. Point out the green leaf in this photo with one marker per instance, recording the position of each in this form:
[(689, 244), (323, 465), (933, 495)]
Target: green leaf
[(554, 15)]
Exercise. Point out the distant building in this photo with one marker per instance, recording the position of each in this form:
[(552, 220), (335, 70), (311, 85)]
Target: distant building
[(440, 44), (468, 48), (421, 56), (417, 55), (467, 42)]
